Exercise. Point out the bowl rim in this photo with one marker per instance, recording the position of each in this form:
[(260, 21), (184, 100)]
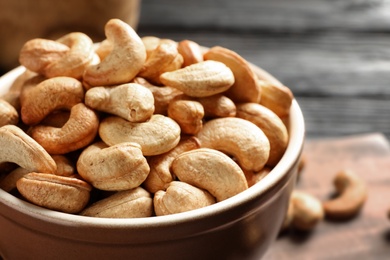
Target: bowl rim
[(296, 133)]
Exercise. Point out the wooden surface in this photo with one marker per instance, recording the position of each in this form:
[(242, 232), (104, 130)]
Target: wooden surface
[(366, 236), (334, 55)]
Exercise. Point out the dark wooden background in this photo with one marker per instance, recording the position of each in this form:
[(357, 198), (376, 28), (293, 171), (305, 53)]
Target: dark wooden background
[(334, 55)]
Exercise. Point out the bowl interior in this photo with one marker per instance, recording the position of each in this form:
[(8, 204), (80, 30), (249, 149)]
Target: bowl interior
[(290, 158)]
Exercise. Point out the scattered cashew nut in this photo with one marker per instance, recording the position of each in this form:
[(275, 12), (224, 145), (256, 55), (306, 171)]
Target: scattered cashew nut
[(188, 114), (352, 194)]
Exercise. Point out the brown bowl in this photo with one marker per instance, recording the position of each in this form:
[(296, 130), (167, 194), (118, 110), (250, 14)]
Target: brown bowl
[(241, 227)]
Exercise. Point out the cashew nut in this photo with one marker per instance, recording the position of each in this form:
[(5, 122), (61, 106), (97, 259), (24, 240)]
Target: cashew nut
[(18, 147), (238, 137), (201, 79), (217, 106), (125, 60), (163, 95), (188, 114), (191, 52), (8, 183), (307, 210), (246, 87), (118, 167), (74, 62), (130, 101), (37, 54), (210, 170), (254, 177), (156, 136), (65, 167), (180, 197), (352, 194), (66, 194), (8, 114), (277, 98), (134, 203), (52, 94), (79, 131), (272, 126), (165, 57), (160, 175)]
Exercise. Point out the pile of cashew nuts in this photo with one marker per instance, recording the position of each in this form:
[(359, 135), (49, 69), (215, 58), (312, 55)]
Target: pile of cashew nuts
[(137, 127)]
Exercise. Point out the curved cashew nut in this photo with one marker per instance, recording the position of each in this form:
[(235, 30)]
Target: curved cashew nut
[(118, 167), (37, 54), (180, 197), (134, 203), (66, 194), (191, 52), (307, 210), (79, 131), (272, 126), (8, 114), (125, 60), (74, 62), (238, 137), (201, 79), (165, 57), (218, 106), (210, 170), (163, 95), (156, 136), (160, 175), (130, 101), (18, 147), (8, 183), (188, 114), (277, 98), (65, 167), (246, 87), (352, 195), (50, 95)]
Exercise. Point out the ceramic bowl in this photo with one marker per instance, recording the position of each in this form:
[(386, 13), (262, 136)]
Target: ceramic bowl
[(241, 227)]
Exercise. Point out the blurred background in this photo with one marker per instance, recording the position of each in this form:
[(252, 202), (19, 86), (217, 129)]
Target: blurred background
[(334, 55)]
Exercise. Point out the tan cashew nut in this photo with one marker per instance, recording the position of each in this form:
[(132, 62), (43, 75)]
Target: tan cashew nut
[(246, 87), (156, 136), (272, 126), (66, 194), (18, 147), (191, 52), (277, 98), (8, 183), (201, 79), (74, 62), (352, 194), (188, 114), (8, 114), (163, 95), (48, 96), (180, 197), (210, 170), (79, 131), (218, 106), (65, 167), (134, 203), (125, 60), (37, 54), (160, 174), (130, 101), (238, 137), (307, 210), (118, 167)]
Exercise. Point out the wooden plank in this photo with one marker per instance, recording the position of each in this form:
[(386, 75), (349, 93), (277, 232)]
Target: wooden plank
[(365, 237), (276, 15)]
